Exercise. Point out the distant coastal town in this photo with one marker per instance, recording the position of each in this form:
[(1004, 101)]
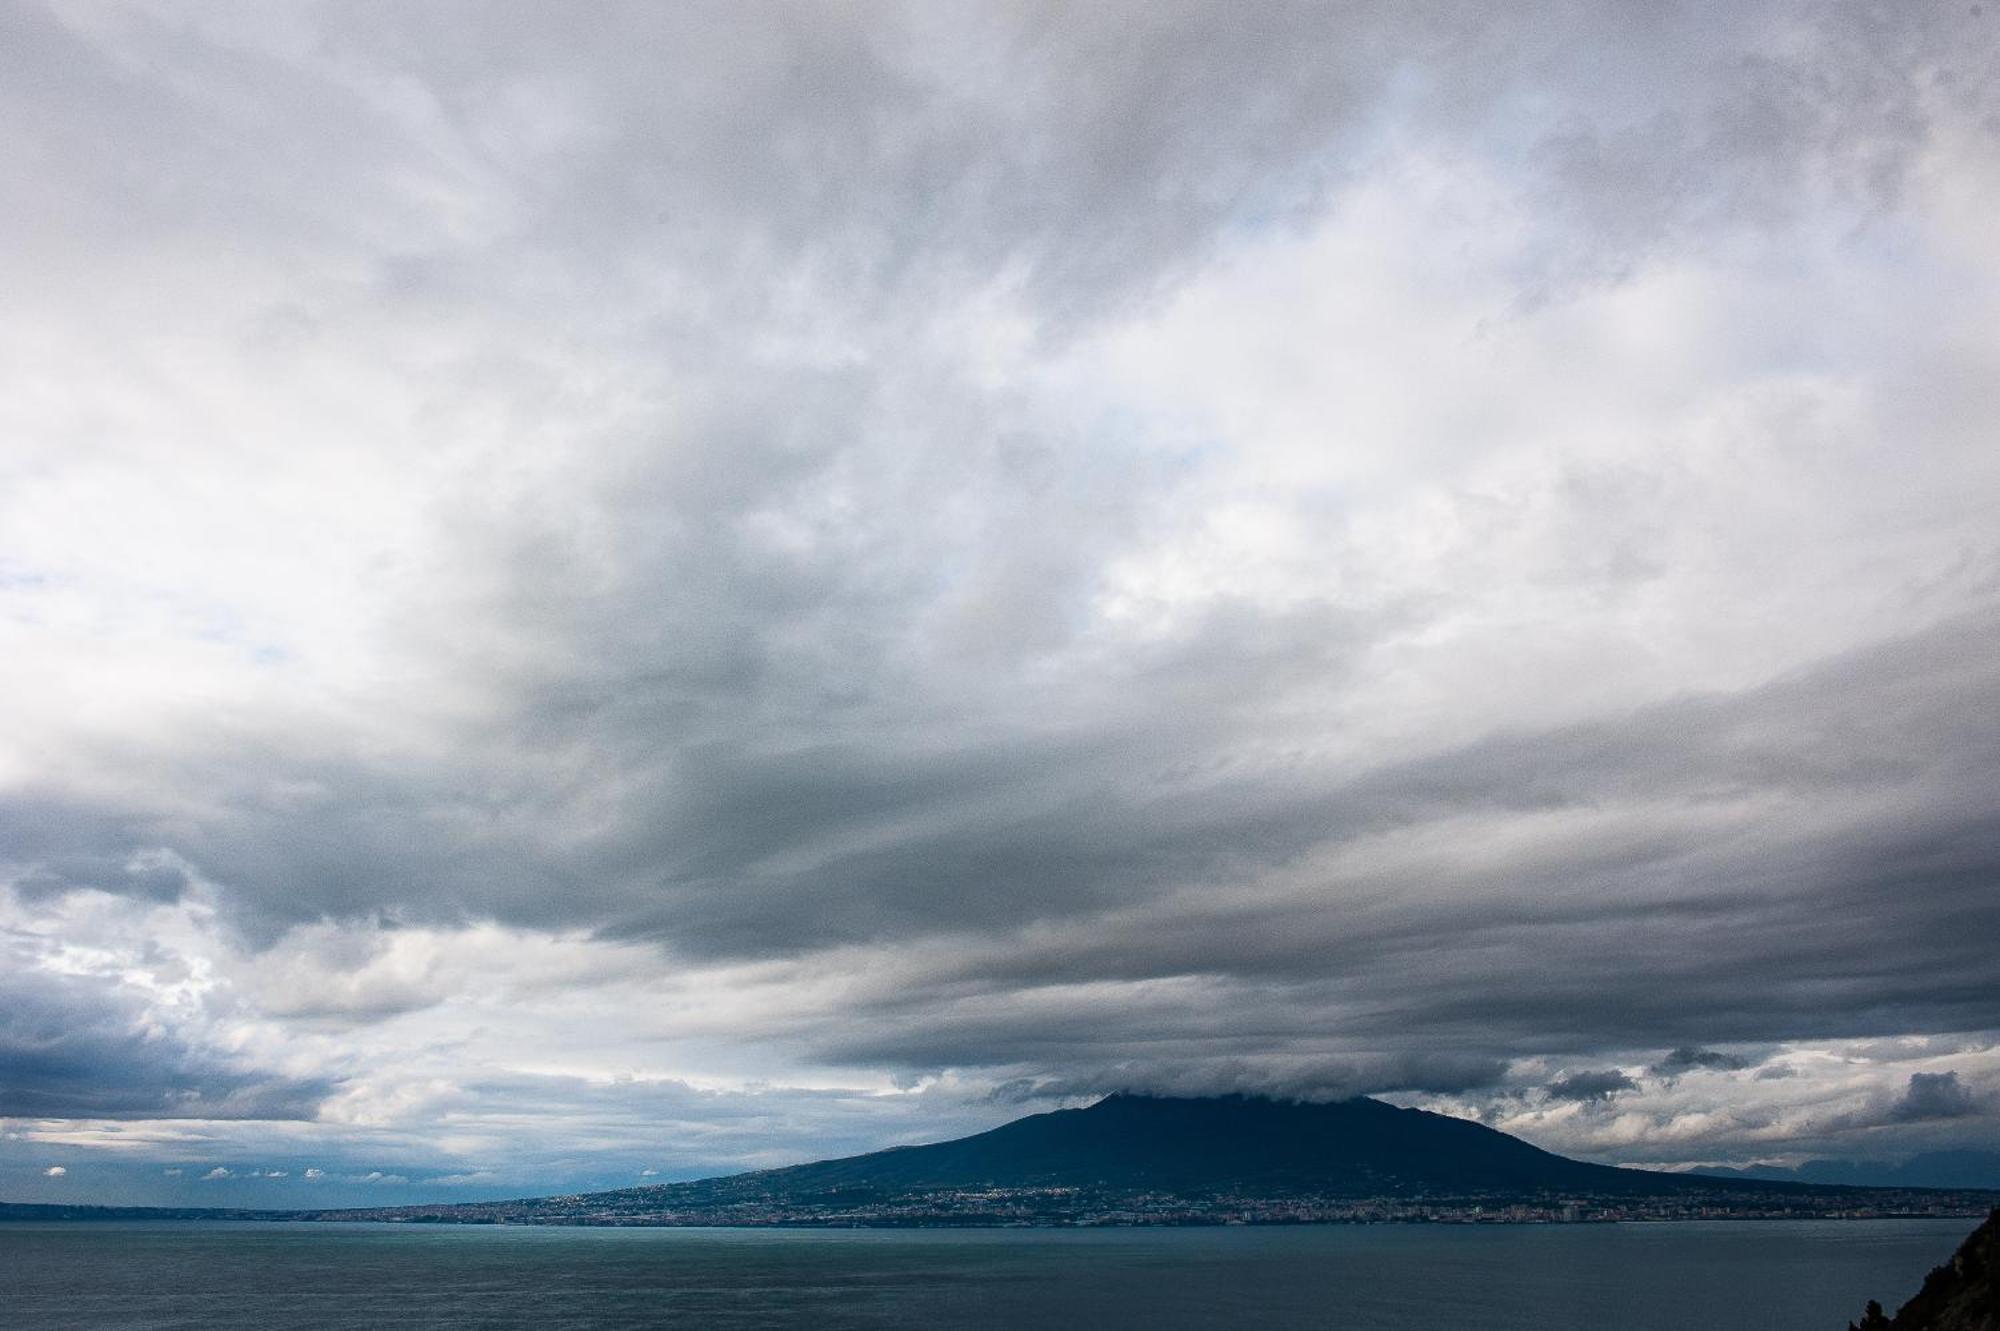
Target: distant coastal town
[(1074, 1207)]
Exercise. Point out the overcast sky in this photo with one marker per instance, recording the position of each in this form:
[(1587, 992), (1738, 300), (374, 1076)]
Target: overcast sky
[(606, 592)]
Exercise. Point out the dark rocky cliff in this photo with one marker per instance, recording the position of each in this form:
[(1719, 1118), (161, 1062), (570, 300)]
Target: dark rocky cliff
[(1959, 1296)]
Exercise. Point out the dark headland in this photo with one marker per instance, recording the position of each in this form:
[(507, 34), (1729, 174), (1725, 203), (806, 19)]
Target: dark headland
[(1134, 1159), (1961, 1295)]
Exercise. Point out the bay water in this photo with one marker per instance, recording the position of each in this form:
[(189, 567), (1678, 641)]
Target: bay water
[(1754, 1275)]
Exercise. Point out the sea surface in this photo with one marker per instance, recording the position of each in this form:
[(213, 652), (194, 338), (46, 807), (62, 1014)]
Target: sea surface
[(1809, 1275)]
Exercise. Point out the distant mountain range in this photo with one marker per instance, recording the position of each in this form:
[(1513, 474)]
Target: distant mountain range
[(1136, 1159), (1933, 1169)]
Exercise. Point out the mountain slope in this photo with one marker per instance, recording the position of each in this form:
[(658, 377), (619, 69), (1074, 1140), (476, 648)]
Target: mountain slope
[(1357, 1147)]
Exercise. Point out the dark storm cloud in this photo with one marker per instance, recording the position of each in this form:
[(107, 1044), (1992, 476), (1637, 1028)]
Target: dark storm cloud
[(1933, 1095), (72, 1047), (1689, 1059), (744, 850), (156, 879), (1586, 1087), (53, 844), (1861, 910)]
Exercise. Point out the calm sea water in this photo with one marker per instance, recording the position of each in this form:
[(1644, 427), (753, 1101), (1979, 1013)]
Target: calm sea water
[(1759, 1276)]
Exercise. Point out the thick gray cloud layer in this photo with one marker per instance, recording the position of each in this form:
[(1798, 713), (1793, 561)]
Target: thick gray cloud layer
[(1319, 548), (75, 1049)]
